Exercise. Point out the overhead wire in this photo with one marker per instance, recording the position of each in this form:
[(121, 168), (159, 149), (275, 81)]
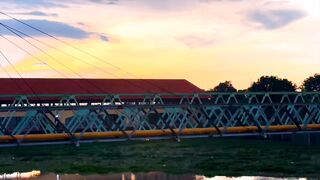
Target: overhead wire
[(51, 57), (17, 72), (84, 52), (26, 51), (7, 73), (17, 32), (12, 30), (64, 42), (41, 61), (4, 69)]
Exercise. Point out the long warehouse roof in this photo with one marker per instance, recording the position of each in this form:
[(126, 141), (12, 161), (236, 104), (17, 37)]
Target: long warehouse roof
[(95, 86)]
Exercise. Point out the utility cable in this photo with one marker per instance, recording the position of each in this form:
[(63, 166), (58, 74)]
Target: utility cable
[(84, 52), (17, 33), (20, 36), (51, 57)]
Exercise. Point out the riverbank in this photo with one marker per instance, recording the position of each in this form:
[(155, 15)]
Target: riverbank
[(210, 157)]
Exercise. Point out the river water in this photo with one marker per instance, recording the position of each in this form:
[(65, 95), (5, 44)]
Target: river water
[(150, 176)]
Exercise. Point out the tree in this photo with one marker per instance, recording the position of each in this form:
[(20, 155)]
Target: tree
[(312, 83), (272, 84), (224, 87)]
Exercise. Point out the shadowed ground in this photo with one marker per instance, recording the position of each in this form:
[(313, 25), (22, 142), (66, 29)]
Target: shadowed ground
[(208, 157)]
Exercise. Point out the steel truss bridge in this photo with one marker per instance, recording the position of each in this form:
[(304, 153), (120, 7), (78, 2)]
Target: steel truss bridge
[(43, 119)]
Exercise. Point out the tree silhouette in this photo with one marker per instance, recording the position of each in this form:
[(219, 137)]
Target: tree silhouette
[(312, 83), (272, 84), (224, 87)]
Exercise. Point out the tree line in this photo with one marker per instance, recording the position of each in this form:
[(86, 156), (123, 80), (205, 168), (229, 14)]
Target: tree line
[(272, 84)]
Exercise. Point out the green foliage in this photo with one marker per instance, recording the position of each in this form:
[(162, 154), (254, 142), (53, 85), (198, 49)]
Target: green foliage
[(224, 87), (272, 84), (312, 83)]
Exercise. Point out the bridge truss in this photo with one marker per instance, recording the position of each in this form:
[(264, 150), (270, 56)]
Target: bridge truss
[(30, 119)]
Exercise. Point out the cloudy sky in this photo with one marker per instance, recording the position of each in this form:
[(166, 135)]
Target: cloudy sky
[(203, 41)]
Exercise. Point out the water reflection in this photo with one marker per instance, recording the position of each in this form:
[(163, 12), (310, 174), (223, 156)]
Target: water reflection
[(150, 176)]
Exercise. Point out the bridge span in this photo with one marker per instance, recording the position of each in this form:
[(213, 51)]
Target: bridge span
[(75, 118)]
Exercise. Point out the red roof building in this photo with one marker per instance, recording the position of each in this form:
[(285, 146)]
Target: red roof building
[(95, 86)]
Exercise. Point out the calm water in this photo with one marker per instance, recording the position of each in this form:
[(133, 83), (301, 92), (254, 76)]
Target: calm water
[(150, 176)]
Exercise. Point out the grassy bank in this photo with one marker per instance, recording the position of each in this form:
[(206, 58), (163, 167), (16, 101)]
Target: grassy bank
[(195, 156)]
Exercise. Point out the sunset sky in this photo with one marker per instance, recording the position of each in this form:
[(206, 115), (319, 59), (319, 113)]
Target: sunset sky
[(203, 41)]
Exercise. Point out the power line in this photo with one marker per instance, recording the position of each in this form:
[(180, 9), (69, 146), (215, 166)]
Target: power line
[(82, 51), (4, 69), (24, 50), (12, 30), (56, 60), (18, 73), (17, 33), (64, 42), (41, 61), (8, 74)]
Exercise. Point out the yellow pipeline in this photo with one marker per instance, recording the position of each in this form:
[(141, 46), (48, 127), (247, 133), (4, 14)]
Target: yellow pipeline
[(155, 133)]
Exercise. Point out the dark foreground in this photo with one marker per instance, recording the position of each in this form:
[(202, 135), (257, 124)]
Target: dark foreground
[(210, 157)]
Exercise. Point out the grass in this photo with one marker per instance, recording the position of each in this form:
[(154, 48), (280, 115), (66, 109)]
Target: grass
[(210, 157)]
